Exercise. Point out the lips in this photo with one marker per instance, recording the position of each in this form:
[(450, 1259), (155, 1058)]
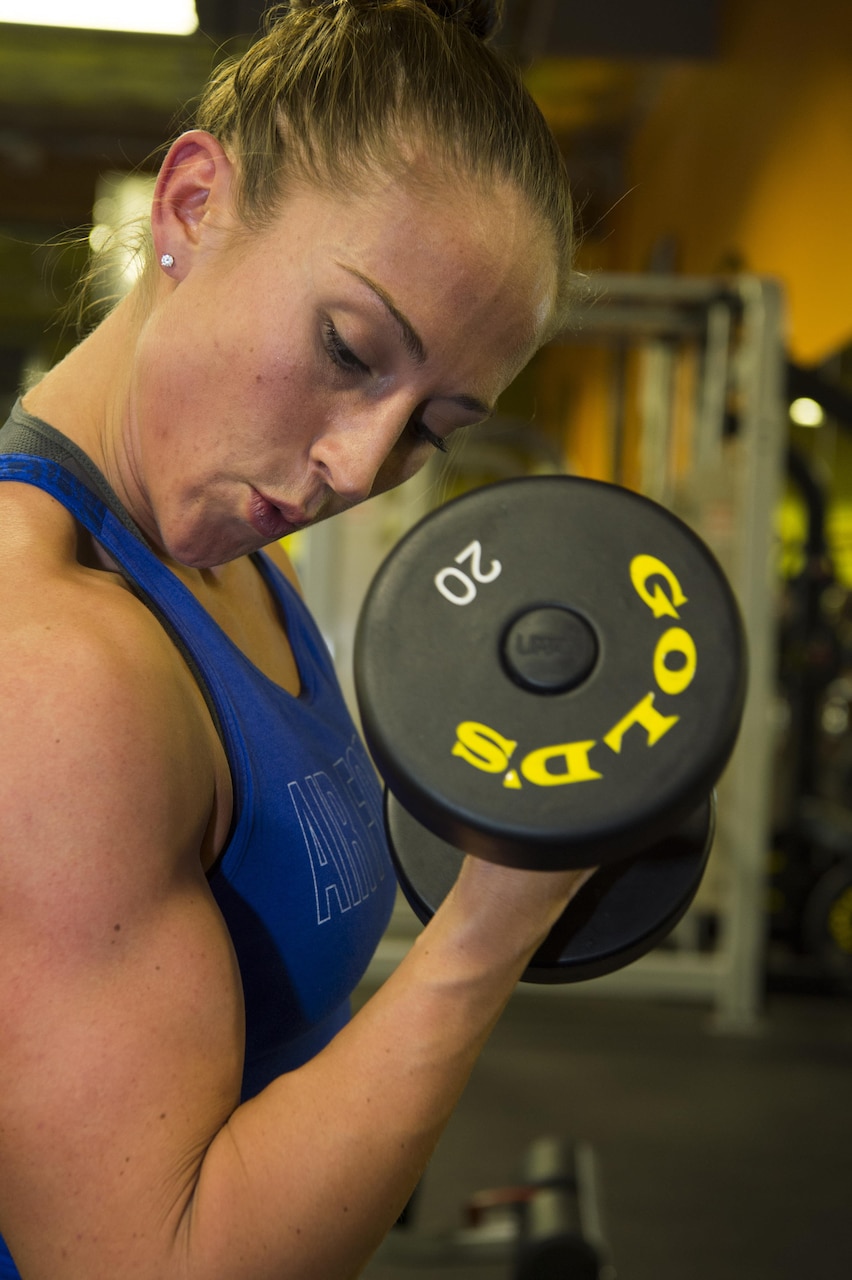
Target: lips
[(272, 521)]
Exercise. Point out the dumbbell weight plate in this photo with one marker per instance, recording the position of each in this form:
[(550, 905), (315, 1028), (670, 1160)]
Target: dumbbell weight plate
[(550, 672), (624, 911)]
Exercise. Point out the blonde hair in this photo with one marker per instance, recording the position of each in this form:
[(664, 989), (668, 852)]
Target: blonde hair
[(334, 91)]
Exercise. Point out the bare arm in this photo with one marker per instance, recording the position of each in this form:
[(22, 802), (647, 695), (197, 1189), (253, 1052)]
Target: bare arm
[(371, 1107), (122, 1148)]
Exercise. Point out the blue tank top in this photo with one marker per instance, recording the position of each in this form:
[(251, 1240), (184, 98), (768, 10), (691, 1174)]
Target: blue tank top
[(305, 883)]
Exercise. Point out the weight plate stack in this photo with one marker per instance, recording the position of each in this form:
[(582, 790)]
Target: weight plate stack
[(550, 672)]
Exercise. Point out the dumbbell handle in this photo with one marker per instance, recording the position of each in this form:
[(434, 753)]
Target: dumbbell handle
[(624, 910)]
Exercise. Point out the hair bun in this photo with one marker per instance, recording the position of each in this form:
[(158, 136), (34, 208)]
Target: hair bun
[(480, 17)]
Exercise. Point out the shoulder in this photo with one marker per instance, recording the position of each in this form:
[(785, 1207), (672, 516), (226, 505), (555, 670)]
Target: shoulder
[(73, 631), (79, 638), (107, 724)]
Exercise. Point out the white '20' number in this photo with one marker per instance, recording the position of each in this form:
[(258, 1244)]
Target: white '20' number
[(459, 587)]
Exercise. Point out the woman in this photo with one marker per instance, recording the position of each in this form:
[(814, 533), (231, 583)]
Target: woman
[(356, 250)]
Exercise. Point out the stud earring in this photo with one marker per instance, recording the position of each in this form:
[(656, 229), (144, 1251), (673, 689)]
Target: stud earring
[(167, 261)]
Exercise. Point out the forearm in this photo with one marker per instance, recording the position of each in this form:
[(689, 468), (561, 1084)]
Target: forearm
[(306, 1180)]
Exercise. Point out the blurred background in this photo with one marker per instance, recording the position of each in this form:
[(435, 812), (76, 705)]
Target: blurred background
[(709, 365)]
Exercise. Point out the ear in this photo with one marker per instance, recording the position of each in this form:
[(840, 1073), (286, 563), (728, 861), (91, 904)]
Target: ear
[(191, 198)]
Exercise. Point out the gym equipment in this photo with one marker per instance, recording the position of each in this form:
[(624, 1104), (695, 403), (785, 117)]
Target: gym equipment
[(546, 1224), (551, 673), (827, 923), (811, 872), (560, 1227)]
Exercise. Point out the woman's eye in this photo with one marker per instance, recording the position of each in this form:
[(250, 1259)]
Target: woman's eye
[(341, 355), (422, 434)]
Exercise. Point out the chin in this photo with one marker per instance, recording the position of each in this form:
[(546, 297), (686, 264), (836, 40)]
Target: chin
[(199, 551)]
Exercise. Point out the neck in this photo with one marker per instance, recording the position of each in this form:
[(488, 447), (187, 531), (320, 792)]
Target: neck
[(88, 397), (85, 395)]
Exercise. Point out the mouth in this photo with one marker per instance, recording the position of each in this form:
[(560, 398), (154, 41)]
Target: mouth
[(273, 521)]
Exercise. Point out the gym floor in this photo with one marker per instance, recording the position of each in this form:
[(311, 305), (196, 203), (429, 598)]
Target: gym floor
[(720, 1157)]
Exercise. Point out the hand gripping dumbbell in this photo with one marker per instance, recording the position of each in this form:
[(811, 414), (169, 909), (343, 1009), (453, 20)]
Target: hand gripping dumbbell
[(550, 673)]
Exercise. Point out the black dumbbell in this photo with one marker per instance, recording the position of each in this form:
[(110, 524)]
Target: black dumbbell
[(551, 673)]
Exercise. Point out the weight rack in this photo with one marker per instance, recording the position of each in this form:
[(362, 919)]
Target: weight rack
[(715, 456)]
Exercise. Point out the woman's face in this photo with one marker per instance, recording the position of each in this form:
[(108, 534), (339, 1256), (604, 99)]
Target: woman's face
[(293, 372)]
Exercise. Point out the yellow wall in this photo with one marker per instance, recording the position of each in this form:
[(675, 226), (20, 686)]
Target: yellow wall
[(748, 160)]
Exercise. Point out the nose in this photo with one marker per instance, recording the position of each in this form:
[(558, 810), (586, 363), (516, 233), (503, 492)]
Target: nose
[(351, 450)]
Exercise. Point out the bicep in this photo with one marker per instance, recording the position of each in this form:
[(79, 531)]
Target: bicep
[(121, 1036), (116, 1075)]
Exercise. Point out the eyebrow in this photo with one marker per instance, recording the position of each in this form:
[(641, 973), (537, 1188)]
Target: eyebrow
[(412, 341)]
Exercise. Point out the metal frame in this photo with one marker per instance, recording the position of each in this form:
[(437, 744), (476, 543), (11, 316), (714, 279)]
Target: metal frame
[(738, 326)]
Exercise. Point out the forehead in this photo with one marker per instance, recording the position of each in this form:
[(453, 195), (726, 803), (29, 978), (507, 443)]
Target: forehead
[(435, 242)]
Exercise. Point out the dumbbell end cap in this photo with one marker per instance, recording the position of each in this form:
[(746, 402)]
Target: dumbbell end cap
[(549, 649)]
